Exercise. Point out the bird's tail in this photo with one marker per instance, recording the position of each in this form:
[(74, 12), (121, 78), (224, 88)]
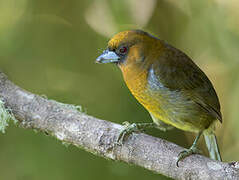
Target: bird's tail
[(212, 146)]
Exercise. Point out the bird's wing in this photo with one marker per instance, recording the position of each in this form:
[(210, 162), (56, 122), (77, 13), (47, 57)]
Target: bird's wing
[(176, 71)]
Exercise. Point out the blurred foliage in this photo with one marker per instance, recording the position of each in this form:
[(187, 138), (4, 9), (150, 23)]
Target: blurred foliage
[(49, 48)]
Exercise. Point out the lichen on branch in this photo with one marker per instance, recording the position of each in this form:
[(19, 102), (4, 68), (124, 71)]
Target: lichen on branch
[(5, 117)]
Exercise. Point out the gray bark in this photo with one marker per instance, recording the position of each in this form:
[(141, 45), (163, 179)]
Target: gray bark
[(98, 137)]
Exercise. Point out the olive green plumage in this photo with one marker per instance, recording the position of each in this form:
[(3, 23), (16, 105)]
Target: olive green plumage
[(174, 90)]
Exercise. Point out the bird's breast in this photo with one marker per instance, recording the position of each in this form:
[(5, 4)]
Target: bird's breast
[(143, 86), (169, 106)]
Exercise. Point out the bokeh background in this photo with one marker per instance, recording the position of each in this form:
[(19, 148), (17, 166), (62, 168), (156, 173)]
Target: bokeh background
[(49, 47)]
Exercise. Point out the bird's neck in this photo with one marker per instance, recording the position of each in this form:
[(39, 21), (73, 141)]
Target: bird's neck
[(135, 78), (132, 73)]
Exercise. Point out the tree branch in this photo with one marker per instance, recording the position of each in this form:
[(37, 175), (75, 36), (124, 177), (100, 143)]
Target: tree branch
[(98, 136)]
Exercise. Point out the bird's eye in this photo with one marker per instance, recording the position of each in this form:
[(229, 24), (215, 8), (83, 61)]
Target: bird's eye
[(123, 50)]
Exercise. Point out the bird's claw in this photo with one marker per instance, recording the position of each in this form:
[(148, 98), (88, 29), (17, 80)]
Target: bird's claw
[(185, 153), (127, 130)]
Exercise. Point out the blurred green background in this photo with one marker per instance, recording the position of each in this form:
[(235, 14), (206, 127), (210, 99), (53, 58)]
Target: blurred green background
[(49, 47)]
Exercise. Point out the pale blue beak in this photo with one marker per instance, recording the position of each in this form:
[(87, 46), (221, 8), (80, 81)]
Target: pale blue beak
[(108, 57)]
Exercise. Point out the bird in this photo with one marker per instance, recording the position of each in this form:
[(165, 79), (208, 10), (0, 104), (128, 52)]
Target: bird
[(169, 85)]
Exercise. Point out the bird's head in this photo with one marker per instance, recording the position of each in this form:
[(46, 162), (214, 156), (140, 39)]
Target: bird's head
[(131, 48)]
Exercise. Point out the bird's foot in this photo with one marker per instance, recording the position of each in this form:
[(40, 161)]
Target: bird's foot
[(127, 130), (186, 153)]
